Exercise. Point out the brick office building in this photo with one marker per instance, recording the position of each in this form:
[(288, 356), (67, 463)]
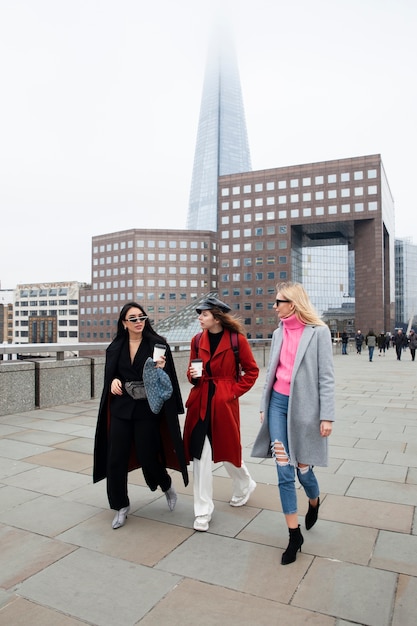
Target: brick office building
[(270, 220)]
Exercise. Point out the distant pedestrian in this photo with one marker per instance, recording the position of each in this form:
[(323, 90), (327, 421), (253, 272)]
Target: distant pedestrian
[(412, 342), (399, 341), (359, 341), (345, 339), (371, 343), (381, 343)]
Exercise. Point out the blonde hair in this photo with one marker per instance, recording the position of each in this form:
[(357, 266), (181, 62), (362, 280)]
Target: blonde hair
[(304, 310)]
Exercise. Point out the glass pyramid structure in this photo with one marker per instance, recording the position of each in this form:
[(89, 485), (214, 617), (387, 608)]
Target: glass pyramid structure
[(222, 143)]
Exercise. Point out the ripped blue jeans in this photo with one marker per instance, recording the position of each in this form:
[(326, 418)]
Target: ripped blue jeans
[(277, 422)]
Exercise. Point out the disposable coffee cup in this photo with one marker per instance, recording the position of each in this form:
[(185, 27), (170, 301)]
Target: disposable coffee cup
[(158, 351), (198, 365)]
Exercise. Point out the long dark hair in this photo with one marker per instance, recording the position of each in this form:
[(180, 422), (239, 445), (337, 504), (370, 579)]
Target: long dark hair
[(148, 331)]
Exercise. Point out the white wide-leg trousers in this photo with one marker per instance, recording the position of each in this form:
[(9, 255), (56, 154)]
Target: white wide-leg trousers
[(203, 480)]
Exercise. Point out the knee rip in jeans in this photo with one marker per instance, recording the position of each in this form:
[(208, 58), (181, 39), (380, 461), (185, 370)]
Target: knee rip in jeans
[(279, 453), (303, 468)]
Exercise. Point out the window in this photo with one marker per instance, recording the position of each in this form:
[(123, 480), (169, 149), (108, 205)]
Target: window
[(358, 175), (331, 178)]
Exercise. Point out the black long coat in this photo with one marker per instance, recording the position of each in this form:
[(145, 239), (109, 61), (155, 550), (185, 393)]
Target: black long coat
[(172, 452)]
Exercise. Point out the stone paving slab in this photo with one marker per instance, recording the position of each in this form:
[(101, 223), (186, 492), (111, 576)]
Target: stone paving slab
[(98, 588), (16, 612), (370, 599), (373, 514), (214, 606), (23, 554), (237, 565)]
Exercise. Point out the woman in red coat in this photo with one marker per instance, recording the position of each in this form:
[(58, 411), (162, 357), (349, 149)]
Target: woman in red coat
[(212, 424)]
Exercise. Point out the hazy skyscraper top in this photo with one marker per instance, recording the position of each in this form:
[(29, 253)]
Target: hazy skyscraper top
[(222, 143)]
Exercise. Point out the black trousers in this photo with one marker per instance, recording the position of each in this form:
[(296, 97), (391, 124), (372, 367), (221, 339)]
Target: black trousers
[(144, 434)]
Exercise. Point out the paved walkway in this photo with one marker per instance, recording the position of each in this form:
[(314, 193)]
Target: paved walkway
[(62, 564)]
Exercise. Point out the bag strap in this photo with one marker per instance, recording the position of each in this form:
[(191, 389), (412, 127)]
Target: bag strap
[(234, 342)]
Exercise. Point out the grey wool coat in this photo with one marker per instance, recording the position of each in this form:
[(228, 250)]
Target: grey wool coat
[(311, 397)]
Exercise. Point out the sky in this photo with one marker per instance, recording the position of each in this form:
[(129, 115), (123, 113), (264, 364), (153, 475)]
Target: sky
[(100, 102)]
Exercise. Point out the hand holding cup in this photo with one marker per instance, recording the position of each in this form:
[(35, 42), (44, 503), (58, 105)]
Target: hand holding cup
[(196, 368)]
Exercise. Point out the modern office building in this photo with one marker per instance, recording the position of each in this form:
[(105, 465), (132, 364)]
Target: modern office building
[(328, 225), (46, 313), (222, 144), (405, 282), (164, 270)]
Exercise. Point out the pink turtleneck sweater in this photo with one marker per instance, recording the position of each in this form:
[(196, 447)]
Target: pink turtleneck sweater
[(292, 331)]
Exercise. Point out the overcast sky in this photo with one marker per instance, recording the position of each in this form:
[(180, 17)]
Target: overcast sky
[(100, 101)]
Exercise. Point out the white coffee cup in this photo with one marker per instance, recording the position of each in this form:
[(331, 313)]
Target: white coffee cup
[(158, 351), (197, 365)]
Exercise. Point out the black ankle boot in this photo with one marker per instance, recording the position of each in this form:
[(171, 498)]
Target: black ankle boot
[(296, 541), (312, 515)]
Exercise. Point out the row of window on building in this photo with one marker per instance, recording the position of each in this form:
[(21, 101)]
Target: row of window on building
[(306, 181)]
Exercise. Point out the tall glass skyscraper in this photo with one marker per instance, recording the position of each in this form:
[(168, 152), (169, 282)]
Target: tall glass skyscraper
[(222, 143)]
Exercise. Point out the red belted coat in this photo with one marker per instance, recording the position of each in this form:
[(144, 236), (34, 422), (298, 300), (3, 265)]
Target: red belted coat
[(224, 402)]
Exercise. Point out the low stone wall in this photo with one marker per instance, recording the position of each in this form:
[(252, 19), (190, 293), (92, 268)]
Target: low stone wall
[(62, 382), (17, 387)]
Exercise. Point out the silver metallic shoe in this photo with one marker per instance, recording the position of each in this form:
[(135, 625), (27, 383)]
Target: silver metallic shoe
[(171, 496), (120, 518)]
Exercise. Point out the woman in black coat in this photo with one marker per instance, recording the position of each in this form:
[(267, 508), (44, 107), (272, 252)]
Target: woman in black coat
[(129, 435)]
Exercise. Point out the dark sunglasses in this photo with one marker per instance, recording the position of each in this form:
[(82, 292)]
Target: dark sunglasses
[(277, 301), (143, 318)]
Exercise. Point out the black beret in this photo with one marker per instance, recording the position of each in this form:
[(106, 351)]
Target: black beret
[(213, 303)]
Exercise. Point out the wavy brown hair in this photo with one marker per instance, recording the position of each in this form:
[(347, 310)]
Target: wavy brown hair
[(228, 321)]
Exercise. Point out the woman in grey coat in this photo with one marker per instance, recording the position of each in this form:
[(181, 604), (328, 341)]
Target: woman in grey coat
[(298, 404)]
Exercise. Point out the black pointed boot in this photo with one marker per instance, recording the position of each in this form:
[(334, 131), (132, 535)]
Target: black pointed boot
[(296, 541), (312, 515)]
